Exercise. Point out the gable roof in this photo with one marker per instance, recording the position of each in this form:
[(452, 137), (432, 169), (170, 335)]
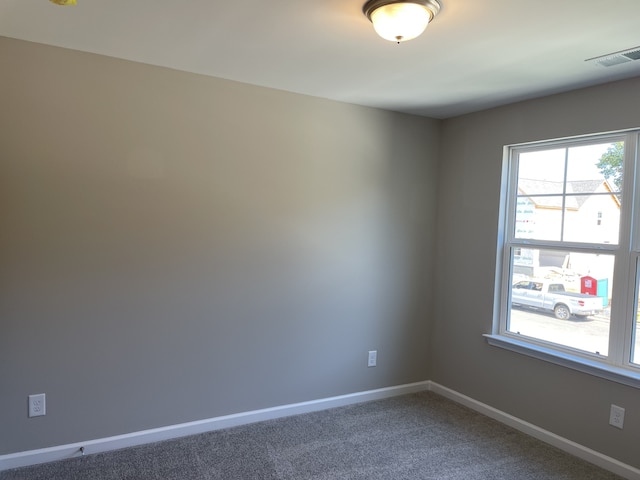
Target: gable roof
[(548, 194)]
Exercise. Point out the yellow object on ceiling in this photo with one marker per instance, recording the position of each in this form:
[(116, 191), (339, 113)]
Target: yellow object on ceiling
[(64, 2)]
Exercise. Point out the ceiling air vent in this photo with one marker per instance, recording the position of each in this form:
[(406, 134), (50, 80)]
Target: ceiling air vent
[(617, 58)]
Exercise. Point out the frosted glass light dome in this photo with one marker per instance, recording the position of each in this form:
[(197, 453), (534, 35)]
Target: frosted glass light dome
[(400, 20)]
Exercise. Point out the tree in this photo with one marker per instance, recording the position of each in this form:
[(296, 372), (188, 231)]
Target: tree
[(610, 163)]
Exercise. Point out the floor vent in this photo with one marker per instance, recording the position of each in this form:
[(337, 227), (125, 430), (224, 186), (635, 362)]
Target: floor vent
[(617, 58)]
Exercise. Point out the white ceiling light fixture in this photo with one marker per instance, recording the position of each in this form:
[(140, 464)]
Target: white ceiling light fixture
[(400, 20)]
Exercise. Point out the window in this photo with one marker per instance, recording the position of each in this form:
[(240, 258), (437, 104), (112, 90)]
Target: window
[(568, 288)]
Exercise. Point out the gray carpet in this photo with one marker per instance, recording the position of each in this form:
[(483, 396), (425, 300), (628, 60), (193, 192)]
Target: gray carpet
[(419, 436)]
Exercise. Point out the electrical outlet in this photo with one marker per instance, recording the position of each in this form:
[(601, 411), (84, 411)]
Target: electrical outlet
[(37, 405), (373, 358), (616, 417)]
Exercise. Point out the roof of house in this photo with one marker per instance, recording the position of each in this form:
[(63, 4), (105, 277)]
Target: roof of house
[(548, 194)]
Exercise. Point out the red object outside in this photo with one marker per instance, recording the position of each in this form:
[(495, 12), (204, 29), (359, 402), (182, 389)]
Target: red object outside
[(589, 285)]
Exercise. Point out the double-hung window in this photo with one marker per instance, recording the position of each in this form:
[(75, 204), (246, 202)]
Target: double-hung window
[(569, 254)]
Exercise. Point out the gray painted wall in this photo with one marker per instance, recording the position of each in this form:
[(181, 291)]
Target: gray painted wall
[(568, 403), (175, 247)]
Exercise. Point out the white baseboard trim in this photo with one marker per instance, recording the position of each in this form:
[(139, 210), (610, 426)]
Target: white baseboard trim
[(575, 449), (33, 457)]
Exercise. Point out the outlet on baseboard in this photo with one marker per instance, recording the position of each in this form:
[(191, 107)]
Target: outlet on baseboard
[(373, 358), (37, 405), (616, 416)]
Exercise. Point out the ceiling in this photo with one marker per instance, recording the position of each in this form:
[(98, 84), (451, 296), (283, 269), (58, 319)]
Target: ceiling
[(476, 54)]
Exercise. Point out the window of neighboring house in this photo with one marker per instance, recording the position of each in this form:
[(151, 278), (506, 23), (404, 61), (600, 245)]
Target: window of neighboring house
[(584, 308)]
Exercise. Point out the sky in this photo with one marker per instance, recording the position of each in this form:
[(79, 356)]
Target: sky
[(549, 164)]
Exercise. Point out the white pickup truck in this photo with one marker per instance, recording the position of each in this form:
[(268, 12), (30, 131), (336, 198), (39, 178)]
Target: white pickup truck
[(552, 296)]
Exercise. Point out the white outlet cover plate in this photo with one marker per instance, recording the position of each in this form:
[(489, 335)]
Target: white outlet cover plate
[(616, 417), (373, 358), (37, 405)]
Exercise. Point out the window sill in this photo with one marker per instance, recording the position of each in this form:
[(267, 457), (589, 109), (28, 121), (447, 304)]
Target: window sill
[(585, 365)]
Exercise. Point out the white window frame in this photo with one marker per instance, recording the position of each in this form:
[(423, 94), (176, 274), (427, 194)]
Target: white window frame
[(616, 366)]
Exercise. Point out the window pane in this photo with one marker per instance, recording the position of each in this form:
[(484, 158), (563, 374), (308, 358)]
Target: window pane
[(602, 162), (561, 297), (543, 166), (539, 218), (592, 218), (570, 194), (635, 346), (540, 194)]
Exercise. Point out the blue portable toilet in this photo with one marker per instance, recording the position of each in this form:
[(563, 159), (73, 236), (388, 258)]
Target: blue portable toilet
[(603, 291)]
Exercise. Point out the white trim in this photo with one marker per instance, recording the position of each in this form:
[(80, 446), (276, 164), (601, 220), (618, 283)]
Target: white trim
[(597, 368), (622, 318), (33, 457), (575, 449)]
